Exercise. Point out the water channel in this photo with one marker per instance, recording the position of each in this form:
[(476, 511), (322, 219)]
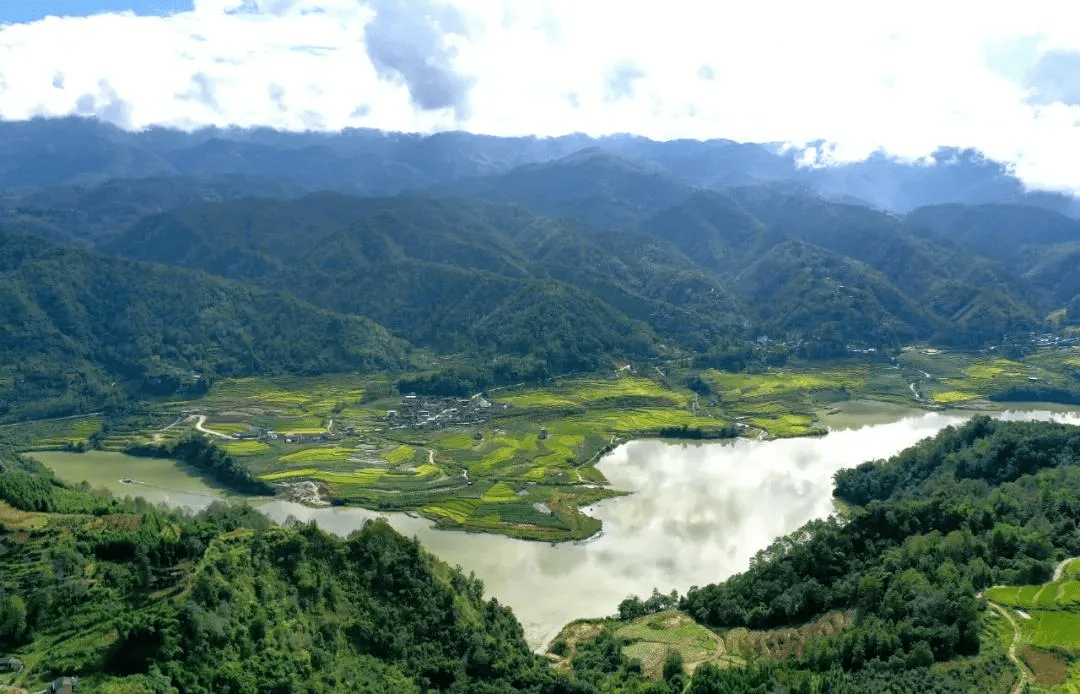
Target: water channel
[(697, 514)]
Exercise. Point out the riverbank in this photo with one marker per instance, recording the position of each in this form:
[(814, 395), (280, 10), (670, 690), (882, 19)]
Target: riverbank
[(696, 513), (522, 461)]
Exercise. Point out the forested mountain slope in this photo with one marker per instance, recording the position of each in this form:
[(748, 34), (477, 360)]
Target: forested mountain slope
[(227, 602), (1039, 245), (80, 330), (433, 270), (617, 247), (711, 267), (93, 214), (593, 186)]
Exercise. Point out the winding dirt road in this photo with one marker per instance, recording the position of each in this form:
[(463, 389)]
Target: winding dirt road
[(1025, 674), (1060, 570), (200, 420)]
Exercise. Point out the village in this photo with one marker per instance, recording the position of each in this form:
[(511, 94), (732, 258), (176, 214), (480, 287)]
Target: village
[(430, 412)]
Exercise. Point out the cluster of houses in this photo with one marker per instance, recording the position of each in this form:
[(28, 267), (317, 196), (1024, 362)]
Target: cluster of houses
[(429, 412), (61, 685), (271, 435)]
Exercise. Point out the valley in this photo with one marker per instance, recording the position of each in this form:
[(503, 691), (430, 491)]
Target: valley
[(521, 461), (658, 416)]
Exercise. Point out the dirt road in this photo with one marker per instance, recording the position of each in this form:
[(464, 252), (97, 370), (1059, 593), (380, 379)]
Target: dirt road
[(1025, 674), (200, 420)]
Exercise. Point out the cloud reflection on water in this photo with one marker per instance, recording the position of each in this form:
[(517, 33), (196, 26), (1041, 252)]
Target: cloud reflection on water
[(697, 514)]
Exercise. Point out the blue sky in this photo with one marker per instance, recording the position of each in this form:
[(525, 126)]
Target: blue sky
[(17, 11)]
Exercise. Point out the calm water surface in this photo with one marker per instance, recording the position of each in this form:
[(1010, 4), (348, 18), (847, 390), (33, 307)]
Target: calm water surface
[(697, 514), (157, 480)]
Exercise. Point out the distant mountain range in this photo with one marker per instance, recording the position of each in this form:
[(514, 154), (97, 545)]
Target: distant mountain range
[(55, 152), (530, 256)]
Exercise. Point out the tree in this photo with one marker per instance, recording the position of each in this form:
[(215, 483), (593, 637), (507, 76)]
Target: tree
[(13, 629)]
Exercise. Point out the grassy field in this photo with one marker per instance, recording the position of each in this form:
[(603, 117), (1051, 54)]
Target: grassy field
[(780, 383), (400, 455), (651, 638), (245, 448)]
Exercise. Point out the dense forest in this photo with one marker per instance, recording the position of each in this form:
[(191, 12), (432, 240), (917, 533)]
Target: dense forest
[(136, 599), (82, 331), (983, 504)]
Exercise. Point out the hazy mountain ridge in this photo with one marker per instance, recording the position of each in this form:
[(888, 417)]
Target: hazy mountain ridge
[(43, 152)]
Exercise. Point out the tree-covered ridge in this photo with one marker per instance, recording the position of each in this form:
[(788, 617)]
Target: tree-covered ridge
[(44, 151), (187, 608), (910, 566), (81, 330), (652, 230), (433, 271), (132, 599), (197, 451), (709, 267), (93, 214), (984, 449)]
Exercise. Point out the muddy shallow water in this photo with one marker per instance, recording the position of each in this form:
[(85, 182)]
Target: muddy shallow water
[(157, 480), (698, 512)]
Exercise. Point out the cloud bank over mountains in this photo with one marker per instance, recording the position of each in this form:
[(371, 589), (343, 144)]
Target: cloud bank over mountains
[(904, 80)]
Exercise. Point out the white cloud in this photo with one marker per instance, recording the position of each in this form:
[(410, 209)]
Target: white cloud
[(905, 79)]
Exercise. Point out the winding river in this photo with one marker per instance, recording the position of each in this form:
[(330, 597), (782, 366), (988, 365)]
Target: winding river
[(698, 512)]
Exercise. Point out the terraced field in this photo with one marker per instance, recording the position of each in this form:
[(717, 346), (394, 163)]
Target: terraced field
[(1048, 619), (540, 443), (957, 378), (649, 639), (783, 402)]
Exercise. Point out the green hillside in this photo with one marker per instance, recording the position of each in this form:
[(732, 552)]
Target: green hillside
[(225, 602), (81, 330)]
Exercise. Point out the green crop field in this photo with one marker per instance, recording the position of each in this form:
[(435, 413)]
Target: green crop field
[(457, 510), (320, 454), (1069, 594), (400, 455), (948, 397), (1048, 617), (499, 492), (593, 391), (499, 455), (536, 474), (285, 474), (1053, 629), (457, 442), (655, 628), (634, 420), (245, 448), (357, 477), (785, 425), (739, 386), (229, 428), (550, 437)]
